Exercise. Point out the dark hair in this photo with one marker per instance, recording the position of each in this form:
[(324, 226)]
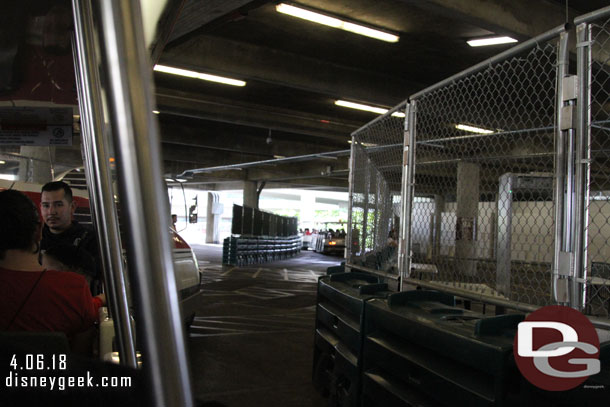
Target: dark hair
[(74, 258), (19, 220), (56, 186)]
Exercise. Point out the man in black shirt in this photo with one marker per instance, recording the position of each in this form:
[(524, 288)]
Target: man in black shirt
[(57, 208)]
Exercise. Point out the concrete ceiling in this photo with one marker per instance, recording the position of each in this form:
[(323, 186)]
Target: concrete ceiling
[(296, 69)]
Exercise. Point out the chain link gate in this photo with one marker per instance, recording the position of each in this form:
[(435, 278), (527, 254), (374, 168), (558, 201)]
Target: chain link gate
[(483, 207), (593, 38), (375, 194)]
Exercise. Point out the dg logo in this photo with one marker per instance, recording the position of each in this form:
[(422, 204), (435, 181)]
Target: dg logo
[(557, 348)]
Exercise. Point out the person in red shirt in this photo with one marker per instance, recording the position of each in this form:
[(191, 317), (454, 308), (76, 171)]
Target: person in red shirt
[(65, 257), (33, 298)]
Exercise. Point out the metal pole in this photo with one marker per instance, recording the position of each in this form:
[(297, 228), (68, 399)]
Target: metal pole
[(403, 183), (350, 208), (144, 203), (583, 168), (100, 180), (559, 197), (407, 198)]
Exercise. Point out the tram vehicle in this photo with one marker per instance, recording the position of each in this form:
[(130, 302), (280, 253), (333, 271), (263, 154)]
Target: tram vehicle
[(188, 277), (328, 240)]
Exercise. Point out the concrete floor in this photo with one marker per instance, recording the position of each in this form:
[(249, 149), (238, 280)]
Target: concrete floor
[(251, 343)]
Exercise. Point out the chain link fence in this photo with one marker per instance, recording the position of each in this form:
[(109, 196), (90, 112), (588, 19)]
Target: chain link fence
[(483, 199), (597, 133), (375, 193)]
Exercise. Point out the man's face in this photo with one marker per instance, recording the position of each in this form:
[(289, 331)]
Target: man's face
[(56, 210)]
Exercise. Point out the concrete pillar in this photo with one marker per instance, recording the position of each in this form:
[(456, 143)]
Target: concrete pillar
[(37, 166), (250, 194), (212, 220), (308, 209), (468, 176), (439, 208)]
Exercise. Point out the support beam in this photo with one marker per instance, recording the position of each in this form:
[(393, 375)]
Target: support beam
[(230, 111), (249, 61), (197, 14), (518, 18), (240, 139)]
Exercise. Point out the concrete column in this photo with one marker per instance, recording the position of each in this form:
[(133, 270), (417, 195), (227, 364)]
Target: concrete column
[(37, 166), (439, 208), (468, 176), (250, 194), (308, 209), (212, 220)]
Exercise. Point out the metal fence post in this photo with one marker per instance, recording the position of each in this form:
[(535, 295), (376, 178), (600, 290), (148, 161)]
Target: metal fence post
[(583, 166), (558, 284), (350, 236), (407, 187)]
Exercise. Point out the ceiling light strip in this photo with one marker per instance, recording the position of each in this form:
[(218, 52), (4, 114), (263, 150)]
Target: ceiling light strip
[(366, 108), (335, 22), (473, 129), (482, 42), (198, 75)]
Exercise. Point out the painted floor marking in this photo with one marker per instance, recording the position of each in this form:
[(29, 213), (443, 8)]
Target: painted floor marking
[(228, 271)]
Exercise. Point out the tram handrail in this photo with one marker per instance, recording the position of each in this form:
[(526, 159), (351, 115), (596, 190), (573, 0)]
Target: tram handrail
[(128, 75), (96, 149)]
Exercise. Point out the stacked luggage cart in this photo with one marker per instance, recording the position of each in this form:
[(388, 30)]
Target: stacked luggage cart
[(374, 347), (260, 237), (338, 335), (241, 251)]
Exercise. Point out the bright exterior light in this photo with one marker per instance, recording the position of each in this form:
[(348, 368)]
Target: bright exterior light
[(366, 108), (335, 23), (198, 75), (490, 41), (2, 162), (8, 177), (473, 129), (156, 112)]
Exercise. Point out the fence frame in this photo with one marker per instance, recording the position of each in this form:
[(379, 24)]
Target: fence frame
[(352, 165), (561, 34), (584, 44)]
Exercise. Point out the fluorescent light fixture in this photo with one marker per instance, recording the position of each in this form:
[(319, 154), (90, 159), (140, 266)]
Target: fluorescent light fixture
[(156, 112), (169, 180), (198, 75), (473, 129), (8, 177), (335, 23), (2, 162), (366, 108), (181, 180), (363, 144), (482, 42)]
